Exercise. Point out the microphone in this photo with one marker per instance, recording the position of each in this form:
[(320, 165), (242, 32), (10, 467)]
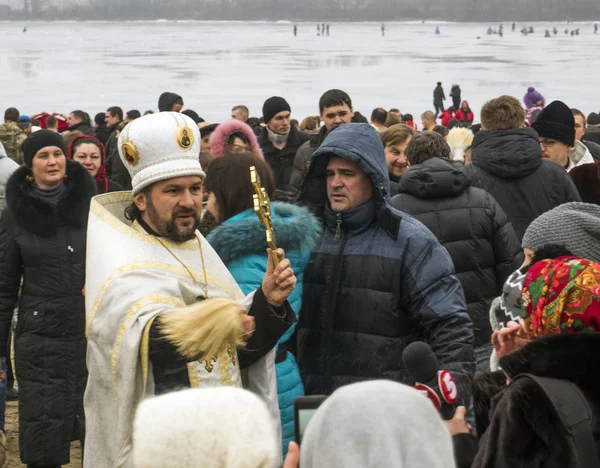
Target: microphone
[(437, 385)]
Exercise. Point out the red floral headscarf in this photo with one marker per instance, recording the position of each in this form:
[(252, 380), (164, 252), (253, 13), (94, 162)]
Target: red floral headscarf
[(561, 296), (101, 179)]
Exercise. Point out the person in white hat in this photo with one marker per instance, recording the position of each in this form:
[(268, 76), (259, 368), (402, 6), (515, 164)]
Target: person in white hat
[(163, 312)]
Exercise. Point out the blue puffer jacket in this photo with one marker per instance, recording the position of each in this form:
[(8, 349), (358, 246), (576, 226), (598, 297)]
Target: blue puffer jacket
[(241, 244), (377, 281)]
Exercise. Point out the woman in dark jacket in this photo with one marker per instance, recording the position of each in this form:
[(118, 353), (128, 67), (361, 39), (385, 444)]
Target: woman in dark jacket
[(43, 240), (468, 222), (241, 243), (90, 153)]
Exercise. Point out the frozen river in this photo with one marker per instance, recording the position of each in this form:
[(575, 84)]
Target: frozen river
[(62, 66)]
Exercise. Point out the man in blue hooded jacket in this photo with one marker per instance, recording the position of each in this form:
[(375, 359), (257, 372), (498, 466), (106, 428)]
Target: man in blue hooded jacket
[(377, 280)]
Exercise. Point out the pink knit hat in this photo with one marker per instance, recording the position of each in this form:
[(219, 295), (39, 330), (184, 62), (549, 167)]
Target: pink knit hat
[(218, 139)]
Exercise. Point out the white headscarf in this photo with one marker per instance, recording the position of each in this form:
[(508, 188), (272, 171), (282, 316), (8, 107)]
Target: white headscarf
[(376, 424), (222, 427)]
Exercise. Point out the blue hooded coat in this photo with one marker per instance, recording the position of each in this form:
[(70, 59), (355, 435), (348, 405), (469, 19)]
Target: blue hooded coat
[(377, 281), (240, 242)]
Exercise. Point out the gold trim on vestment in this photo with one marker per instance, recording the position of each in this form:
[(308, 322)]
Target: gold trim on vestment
[(193, 374), (145, 301), (150, 265), (224, 368), (144, 349)]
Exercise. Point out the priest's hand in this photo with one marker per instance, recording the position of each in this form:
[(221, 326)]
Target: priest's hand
[(279, 282)]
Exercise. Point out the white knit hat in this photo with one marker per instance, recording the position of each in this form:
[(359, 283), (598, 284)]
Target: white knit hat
[(223, 427), (459, 139), (159, 147)]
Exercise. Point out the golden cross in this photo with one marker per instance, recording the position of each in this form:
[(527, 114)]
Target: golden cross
[(262, 207)]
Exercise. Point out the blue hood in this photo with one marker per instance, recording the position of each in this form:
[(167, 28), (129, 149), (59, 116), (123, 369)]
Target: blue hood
[(359, 143)]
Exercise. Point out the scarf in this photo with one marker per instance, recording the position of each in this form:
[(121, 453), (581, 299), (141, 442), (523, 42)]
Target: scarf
[(562, 296), (101, 179), (279, 140), (51, 196)]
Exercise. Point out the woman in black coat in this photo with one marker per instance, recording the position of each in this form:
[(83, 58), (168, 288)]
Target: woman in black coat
[(42, 239)]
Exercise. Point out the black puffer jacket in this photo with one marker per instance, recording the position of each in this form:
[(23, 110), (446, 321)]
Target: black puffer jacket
[(473, 228), (46, 244), (508, 164), (377, 281), (282, 160), (302, 163)]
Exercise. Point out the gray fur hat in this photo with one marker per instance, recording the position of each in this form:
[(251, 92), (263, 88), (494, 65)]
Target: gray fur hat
[(574, 225)]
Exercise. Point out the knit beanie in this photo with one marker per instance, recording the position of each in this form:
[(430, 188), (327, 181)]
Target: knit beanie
[(223, 427), (38, 140), (273, 106), (556, 121), (575, 225), (593, 119)]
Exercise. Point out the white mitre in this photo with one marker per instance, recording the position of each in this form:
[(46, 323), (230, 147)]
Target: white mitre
[(159, 147)]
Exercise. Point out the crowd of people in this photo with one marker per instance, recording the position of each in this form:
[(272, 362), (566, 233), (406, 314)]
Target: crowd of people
[(137, 283)]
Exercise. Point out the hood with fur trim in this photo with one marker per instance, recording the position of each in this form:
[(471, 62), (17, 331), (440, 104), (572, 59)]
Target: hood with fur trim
[(218, 138), (295, 229), (41, 218)]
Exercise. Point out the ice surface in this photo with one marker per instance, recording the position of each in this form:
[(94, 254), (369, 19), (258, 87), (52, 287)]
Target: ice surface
[(62, 66)]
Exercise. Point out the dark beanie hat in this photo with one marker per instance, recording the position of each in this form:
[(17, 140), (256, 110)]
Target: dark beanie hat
[(99, 118), (273, 106), (38, 140), (593, 119), (556, 121)]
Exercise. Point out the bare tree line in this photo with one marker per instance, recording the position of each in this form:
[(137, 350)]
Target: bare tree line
[(313, 10)]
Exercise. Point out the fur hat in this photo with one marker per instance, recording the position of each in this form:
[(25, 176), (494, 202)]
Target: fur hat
[(273, 106), (158, 147), (574, 225), (556, 121), (223, 427), (38, 140), (220, 137), (459, 140), (587, 180)]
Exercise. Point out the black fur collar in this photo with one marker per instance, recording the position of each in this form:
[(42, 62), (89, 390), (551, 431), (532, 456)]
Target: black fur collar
[(41, 218), (572, 357)]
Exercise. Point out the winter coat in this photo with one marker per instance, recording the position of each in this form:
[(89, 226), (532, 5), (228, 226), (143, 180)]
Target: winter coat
[(446, 117), (438, 96), (593, 148), (377, 281), (166, 101), (302, 163), (587, 181), (466, 117), (455, 95), (579, 155), (102, 133), (282, 160), (7, 167), (522, 431), (508, 164), (12, 138), (473, 228), (592, 134), (115, 169), (241, 244), (82, 127), (46, 245)]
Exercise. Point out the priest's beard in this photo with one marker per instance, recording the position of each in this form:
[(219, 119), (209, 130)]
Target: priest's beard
[(168, 227)]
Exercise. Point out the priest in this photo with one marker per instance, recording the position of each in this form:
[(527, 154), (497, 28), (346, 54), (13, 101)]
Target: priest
[(163, 312)]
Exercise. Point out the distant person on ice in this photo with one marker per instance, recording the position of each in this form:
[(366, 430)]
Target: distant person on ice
[(438, 99), (532, 98)]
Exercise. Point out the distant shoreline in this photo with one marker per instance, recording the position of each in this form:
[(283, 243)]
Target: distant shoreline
[(292, 22)]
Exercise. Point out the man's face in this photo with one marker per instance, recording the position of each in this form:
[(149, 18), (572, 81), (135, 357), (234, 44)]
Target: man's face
[(238, 114), (111, 120), (173, 207), (347, 185), (336, 115), (177, 107), (72, 120), (579, 127), (395, 156), (280, 123), (555, 150)]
